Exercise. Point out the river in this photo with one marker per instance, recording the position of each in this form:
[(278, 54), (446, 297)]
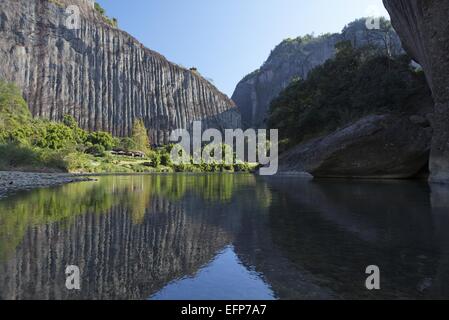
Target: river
[(226, 236)]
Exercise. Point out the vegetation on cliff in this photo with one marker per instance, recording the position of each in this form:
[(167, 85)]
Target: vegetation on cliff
[(42, 145), (356, 83), (297, 57), (111, 21)]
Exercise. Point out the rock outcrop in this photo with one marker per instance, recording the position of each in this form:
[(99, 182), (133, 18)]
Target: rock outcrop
[(296, 58), (378, 146), (99, 74), (423, 26)]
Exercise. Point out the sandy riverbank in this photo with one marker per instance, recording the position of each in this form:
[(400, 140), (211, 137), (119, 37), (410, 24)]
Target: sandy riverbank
[(12, 181)]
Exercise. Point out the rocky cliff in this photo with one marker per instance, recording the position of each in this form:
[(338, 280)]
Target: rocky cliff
[(424, 29), (296, 58), (99, 74)]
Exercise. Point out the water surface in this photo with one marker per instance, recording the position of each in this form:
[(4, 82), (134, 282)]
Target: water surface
[(226, 237)]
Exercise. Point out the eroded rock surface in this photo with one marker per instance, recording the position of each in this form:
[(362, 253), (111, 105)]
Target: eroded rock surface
[(377, 146), (99, 74), (423, 26)]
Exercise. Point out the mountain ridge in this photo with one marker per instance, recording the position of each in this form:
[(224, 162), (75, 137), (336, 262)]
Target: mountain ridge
[(296, 58)]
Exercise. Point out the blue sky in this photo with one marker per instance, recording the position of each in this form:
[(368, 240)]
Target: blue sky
[(227, 39)]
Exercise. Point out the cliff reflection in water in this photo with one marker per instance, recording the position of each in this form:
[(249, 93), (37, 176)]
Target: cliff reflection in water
[(225, 236)]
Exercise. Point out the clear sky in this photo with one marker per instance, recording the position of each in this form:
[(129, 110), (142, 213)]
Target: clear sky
[(227, 39)]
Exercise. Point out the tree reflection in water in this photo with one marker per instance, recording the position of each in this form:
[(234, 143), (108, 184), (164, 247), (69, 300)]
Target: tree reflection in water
[(133, 236)]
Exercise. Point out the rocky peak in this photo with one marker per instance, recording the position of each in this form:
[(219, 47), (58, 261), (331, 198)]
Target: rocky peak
[(294, 58)]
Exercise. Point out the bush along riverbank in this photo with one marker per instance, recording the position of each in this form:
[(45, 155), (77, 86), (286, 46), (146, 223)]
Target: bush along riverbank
[(28, 144)]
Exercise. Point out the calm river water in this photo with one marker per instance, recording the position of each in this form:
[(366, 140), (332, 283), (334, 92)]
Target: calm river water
[(226, 237)]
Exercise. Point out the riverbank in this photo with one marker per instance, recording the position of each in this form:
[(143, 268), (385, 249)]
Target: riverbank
[(13, 181)]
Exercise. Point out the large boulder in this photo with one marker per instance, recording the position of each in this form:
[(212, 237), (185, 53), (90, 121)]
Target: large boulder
[(423, 26), (377, 146)]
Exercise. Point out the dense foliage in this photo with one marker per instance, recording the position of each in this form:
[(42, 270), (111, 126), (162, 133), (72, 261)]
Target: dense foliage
[(140, 136), (357, 82), (13, 108), (36, 144)]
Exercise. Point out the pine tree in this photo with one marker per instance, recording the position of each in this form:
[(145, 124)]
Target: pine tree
[(140, 136)]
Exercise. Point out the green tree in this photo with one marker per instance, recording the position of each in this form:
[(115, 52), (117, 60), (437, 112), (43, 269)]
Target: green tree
[(140, 136), (357, 82), (13, 108)]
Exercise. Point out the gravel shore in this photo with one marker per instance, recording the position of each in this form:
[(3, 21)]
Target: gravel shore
[(12, 181)]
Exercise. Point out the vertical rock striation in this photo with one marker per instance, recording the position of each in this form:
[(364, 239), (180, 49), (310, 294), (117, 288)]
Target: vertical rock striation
[(296, 58), (119, 258), (101, 75), (424, 29)]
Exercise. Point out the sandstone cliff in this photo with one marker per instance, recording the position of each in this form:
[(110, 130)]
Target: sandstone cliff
[(101, 75), (424, 29), (296, 58)]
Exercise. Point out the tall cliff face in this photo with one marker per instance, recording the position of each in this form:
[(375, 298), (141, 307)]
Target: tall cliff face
[(424, 29), (296, 58), (101, 75)]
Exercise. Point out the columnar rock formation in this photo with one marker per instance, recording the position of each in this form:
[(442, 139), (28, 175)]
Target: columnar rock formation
[(423, 26), (101, 75), (296, 58)]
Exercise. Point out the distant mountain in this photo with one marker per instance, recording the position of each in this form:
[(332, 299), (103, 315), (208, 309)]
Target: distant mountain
[(294, 58), (99, 74)]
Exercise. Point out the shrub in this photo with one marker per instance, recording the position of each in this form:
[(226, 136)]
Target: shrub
[(19, 156), (99, 9), (13, 108), (166, 159), (14, 155), (53, 159), (69, 121), (155, 159), (111, 21), (55, 136), (127, 144), (96, 150), (103, 139)]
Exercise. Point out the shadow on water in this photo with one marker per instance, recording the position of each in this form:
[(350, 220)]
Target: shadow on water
[(225, 237), (335, 229)]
